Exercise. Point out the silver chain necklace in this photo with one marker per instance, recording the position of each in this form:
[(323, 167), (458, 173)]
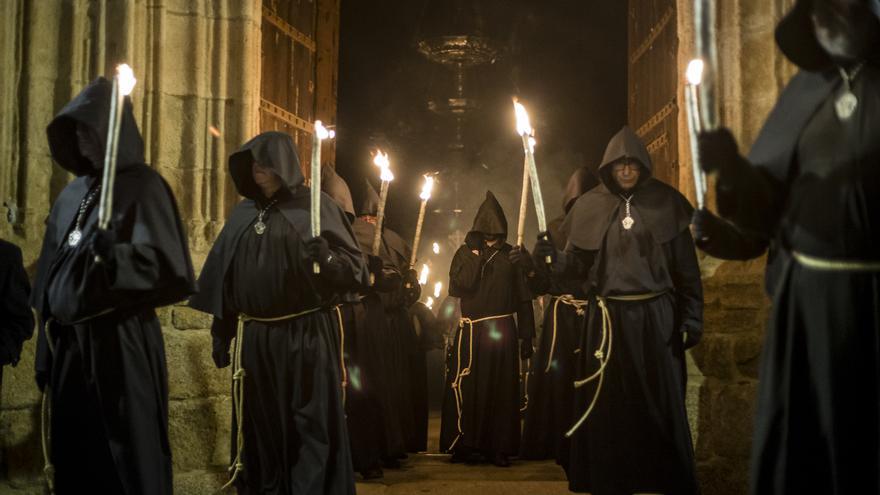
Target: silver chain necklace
[(74, 237), (260, 227), (628, 221), (846, 104)]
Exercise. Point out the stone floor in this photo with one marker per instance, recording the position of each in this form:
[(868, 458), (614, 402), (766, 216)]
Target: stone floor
[(433, 474)]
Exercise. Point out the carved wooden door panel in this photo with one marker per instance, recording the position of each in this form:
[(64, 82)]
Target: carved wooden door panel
[(653, 82)]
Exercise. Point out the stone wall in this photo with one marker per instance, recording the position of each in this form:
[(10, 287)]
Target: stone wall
[(197, 64), (724, 366)]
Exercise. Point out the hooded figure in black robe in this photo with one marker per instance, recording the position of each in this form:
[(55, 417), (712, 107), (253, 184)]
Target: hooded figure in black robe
[(16, 318), (100, 353), (362, 354), (399, 344), (288, 402), (481, 406), (549, 411), (632, 250), (810, 190)]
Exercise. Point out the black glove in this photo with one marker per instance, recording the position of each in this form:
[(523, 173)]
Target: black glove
[(719, 151), (102, 245), (318, 250), (474, 241), (520, 256), (375, 265), (412, 291), (691, 339), (702, 223), (525, 348), (220, 353), (544, 248)]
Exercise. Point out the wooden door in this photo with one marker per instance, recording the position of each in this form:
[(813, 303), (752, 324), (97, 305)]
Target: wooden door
[(653, 82)]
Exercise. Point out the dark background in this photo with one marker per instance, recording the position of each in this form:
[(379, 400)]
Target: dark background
[(565, 60)]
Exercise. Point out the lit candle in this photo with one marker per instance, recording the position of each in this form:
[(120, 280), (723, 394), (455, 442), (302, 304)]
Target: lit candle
[(123, 84), (436, 248), (321, 133), (694, 76), (438, 289), (524, 129), (423, 276), (381, 161), (425, 196)]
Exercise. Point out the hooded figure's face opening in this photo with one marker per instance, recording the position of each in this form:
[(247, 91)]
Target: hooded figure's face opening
[(847, 30), (266, 179), (626, 174), (89, 144)]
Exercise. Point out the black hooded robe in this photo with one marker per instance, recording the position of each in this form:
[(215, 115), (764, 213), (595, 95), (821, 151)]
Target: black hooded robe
[(295, 438), (100, 355), (482, 400), (637, 437), (813, 187), (16, 318), (549, 412)]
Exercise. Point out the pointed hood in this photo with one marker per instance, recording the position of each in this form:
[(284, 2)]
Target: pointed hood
[(91, 107), (581, 181), (272, 149), (490, 217), (796, 37), (335, 187), (625, 145), (370, 204)]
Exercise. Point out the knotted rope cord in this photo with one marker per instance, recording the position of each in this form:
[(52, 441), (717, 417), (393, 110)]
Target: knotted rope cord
[(344, 374), (238, 374), (525, 383), (836, 265), (579, 306), (46, 401), (460, 372), (603, 353)]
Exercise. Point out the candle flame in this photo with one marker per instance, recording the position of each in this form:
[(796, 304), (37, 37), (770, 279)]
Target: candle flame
[(532, 143), (423, 276), (436, 248), (322, 132), (523, 125), (126, 79), (381, 160), (438, 288), (427, 187), (430, 302), (694, 71)]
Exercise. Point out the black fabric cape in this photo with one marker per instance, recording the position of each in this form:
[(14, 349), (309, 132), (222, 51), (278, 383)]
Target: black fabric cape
[(16, 319), (812, 186), (484, 417), (637, 438), (106, 375), (294, 427)]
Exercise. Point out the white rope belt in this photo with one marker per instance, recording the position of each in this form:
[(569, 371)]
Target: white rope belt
[(830, 265), (603, 353), (460, 372), (238, 375), (579, 306)]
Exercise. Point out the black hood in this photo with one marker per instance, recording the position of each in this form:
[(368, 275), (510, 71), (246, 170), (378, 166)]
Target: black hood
[(91, 107), (625, 145), (336, 188), (272, 149), (581, 181), (370, 204), (490, 217), (796, 36)]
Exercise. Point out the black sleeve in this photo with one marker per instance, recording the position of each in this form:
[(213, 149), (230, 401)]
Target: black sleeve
[(464, 273), (685, 270), (525, 320), (751, 198), (16, 318), (726, 241)]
